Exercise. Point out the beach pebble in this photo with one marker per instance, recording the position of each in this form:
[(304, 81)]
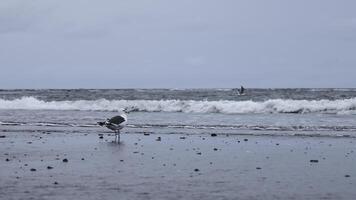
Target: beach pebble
[(7, 160), (196, 170), (215, 149), (245, 140), (258, 168), (65, 160), (49, 167), (146, 134), (33, 170), (158, 139), (2, 136), (347, 176), (182, 138), (82, 159), (213, 135), (314, 161), (56, 183)]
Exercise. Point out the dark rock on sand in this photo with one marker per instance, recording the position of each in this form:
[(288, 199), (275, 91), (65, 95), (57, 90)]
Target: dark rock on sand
[(182, 138), (146, 134), (196, 170), (65, 160), (49, 167), (347, 176), (245, 140), (7, 160), (158, 139), (258, 168), (2, 136), (215, 149), (82, 159), (314, 161), (213, 135), (56, 183), (33, 169)]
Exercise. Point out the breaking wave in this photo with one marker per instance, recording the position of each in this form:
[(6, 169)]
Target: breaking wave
[(341, 106)]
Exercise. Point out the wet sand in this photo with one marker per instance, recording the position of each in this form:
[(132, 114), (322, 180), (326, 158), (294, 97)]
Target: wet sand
[(173, 166)]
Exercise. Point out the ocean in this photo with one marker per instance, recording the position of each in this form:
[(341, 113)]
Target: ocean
[(281, 112)]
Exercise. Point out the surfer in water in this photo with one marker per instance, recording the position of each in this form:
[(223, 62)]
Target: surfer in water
[(241, 90)]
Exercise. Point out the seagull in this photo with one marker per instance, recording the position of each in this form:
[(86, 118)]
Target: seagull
[(116, 123)]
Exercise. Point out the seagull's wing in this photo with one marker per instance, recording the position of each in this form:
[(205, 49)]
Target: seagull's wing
[(117, 120)]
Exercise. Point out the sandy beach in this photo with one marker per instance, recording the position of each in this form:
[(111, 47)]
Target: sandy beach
[(50, 165)]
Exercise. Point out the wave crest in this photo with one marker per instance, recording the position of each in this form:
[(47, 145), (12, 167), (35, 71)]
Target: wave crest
[(341, 106)]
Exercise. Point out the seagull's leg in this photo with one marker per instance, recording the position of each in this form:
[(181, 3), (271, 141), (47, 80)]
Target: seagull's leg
[(116, 136)]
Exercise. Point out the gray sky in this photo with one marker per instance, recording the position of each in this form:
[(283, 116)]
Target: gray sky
[(177, 44)]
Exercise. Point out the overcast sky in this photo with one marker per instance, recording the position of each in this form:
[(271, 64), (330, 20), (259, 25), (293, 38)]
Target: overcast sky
[(177, 44)]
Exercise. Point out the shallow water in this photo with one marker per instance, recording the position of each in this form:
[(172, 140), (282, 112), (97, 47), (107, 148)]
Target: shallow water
[(175, 167)]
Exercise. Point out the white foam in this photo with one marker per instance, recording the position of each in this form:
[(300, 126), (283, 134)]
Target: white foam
[(342, 106)]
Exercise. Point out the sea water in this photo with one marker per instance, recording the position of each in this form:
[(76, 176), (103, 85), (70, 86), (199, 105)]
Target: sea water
[(282, 112)]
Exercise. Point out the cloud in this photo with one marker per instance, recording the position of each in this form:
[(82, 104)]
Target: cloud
[(21, 16), (195, 61)]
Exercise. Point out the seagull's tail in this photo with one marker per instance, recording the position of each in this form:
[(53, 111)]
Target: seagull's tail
[(101, 123)]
